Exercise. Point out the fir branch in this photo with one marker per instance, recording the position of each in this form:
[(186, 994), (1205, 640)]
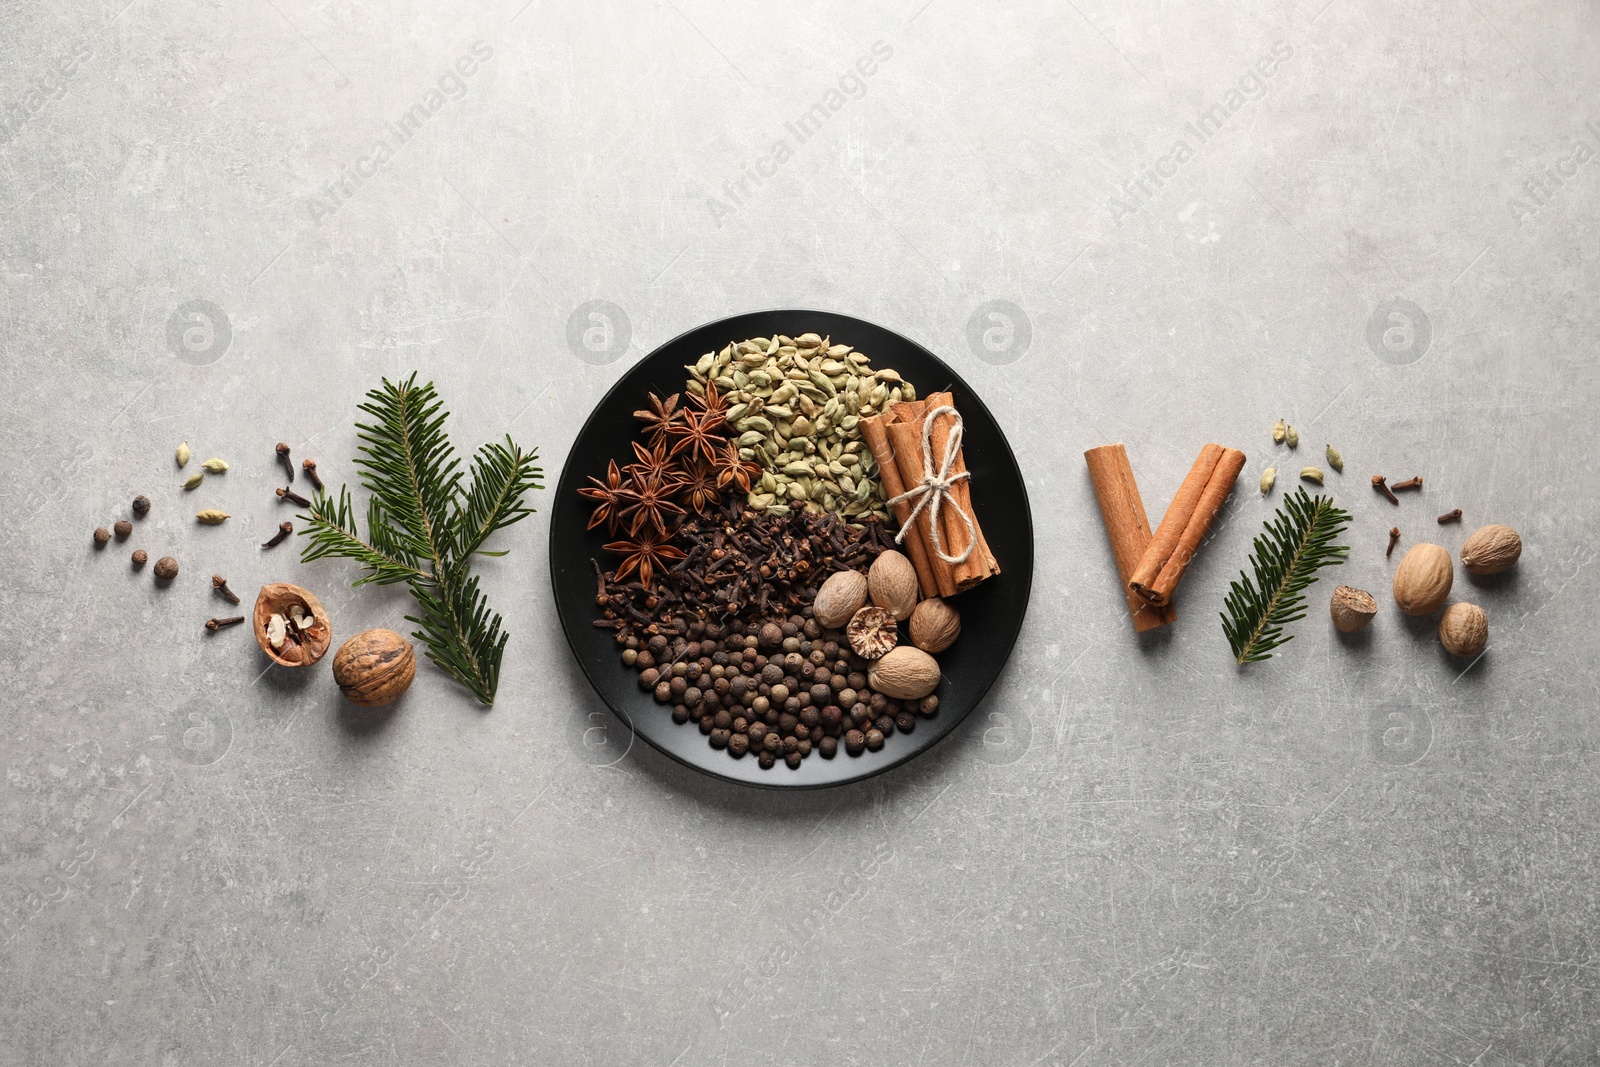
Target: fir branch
[(1296, 543), (424, 525)]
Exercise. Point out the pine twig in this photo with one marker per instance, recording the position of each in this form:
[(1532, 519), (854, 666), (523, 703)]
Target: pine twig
[(424, 525), (1297, 542)]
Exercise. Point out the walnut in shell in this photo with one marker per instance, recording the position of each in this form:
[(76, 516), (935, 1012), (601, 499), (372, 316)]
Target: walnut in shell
[(1491, 549), (935, 625), (872, 632), (1423, 579), (291, 626), (374, 667), (892, 584), (840, 597), (904, 673)]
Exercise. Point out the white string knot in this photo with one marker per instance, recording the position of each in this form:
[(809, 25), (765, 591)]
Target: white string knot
[(934, 490)]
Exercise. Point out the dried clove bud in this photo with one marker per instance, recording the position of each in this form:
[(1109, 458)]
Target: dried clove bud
[(285, 528), (220, 584), (310, 467), (1394, 539), (216, 624), (1381, 485), (293, 497), (1409, 483), (283, 457), (1453, 515)]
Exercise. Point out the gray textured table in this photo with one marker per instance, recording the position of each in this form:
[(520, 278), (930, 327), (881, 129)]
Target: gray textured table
[(224, 222)]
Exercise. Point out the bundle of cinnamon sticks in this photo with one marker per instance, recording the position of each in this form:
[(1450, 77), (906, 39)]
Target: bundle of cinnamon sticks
[(895, 438), (1151, 565)]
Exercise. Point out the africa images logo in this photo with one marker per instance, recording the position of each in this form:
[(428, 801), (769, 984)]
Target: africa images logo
[(1147, 184), (851, 85), (51, 85), (452, 85)]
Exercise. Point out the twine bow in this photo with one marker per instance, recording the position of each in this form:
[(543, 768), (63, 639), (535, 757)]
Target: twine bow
[(934, 489)]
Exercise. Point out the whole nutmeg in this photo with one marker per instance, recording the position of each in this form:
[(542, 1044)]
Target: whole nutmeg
[(904, 673), (166, 569), (840, 597), (892, 584), (1464, 630), (935, 625), (1352, 609), (374, 667), (1423, 579), (1491, 549), (290, 625), (872, 632)]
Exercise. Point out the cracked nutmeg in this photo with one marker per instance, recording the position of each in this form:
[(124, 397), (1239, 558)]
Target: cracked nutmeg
[(872, 632), (290, 625)]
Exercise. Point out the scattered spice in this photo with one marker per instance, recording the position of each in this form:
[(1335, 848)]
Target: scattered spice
[(182, 454), (1127, 528), (102, 536), (1394, 539), (285, 528), (141, 506), (310, 467), (1311, 474), (215, 465), (1268, 478), (217, 624), (220, 584), (1352, 609), (166, 569), (1292, 437), (1186, 523), (1335, 460), (1464, 630), (193, 481), (1381, 485), (1491, 549), (283, 457), (123, 529), (212, 516), (293, 497), (1280, 430), (139, 557), (1409, 483), (1453, 515)]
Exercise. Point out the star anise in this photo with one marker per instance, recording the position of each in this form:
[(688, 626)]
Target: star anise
[(654, 462), (712, 403), (699, 488), (696, 435), (733, 469), (658, 417), (643, 554), (609, 497), (648, 504)]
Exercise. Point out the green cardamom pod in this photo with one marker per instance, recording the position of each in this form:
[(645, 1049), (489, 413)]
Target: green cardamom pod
[(215, 465), (193, 481), (1279, 429), (183, 453), (1312, 474), (1292, 436), (1335, 460), (1268, 476), (212, 516)]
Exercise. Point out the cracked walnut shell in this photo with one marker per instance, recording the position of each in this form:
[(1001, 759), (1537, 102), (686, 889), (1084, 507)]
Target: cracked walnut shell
[(283, 636), (872, 632)]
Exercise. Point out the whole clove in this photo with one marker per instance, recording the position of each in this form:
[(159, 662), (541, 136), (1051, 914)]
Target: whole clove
[(1394, 539), (1409, 483), (310, 467), (216, 624), (220, 584), (293, 497), (1453, 515), (285, 528), (283, 457), (1380, 483)]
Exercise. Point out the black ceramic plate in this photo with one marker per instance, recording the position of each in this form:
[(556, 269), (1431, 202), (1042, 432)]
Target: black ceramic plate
[(991, 614)]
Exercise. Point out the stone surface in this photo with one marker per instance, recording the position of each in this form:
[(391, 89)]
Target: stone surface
[(1381, 225)]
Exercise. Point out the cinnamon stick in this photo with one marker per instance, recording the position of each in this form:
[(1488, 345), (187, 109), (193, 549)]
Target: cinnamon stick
[(980, 564), (905, 446), (1186, 523), (1127, 528), (875, 433)]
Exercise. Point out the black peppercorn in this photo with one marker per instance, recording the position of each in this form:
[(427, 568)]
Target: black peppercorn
[(874, 739), (855, 742)]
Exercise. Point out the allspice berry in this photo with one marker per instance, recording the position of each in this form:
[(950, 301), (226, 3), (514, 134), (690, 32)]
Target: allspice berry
[(141, 506), (123, 529), (102, 536), (1464, 630), (139, 557), (166, 569), (374, 667)]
